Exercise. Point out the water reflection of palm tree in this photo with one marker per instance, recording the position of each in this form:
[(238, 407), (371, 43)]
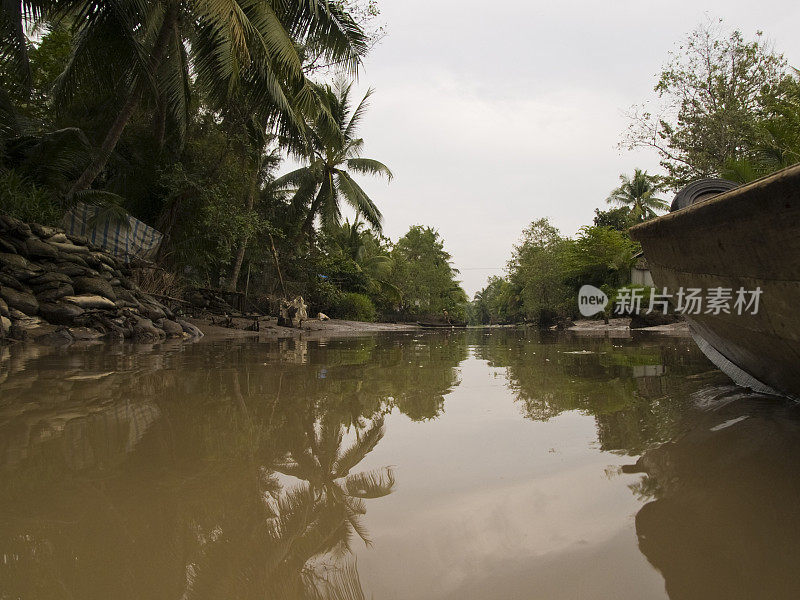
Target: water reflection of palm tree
[(297, 544), (317, 457)]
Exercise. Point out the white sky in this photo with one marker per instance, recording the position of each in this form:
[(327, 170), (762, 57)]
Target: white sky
[(495, 113)]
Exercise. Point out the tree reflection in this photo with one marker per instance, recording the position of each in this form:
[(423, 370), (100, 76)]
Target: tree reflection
[(635, 389), (300, 549), (166, 474)]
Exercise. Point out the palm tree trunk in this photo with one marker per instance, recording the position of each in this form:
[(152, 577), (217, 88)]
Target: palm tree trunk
[(308, 224), (126, 112), (107, 147), (251, 198), (160, 123)]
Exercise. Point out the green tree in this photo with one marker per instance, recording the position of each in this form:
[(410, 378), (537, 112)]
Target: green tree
[(617, 218), (371, 255), (28, 109), (546, 271), (335, 151), (776, 142), (498, 302), (425, 276), (144, 53), (711, 95), (599, 256), (638, 195), (536, 269)]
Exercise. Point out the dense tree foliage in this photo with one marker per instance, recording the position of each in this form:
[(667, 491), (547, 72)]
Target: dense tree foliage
[(181, 115), (726, 106), (546, 270), (617, 218), (423, 273)]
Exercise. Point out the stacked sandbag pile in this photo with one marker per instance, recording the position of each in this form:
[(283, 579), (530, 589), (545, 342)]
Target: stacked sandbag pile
[(48, 276)]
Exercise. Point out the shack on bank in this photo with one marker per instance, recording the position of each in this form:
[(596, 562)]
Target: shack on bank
[(640, 271)]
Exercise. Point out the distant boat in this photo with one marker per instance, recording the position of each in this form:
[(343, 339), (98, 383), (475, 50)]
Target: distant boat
[(436, 325), (746, 237)]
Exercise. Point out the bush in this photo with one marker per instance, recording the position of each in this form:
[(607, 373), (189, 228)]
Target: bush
[(356, 307), (23, 200), (323, 296)]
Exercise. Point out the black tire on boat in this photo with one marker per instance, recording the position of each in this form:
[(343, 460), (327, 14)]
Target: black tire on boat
[(700, 190)]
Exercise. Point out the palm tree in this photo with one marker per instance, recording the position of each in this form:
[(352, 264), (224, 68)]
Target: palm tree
[(143, 51), (364, 248), (638, 193), (335, 151)]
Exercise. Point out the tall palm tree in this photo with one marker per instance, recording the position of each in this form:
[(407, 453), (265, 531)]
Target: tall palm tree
[(638, 194), (335, 151)]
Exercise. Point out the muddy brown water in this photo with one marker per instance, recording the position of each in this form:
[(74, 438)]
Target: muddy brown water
[(438, 465)]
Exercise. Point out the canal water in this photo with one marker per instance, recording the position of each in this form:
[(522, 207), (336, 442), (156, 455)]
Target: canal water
[(478, 464)]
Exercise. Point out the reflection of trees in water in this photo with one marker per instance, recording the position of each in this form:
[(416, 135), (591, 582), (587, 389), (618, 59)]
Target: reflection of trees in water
[(189, 502), (355, 378), (635, 389), (296, 544), (723, 519)]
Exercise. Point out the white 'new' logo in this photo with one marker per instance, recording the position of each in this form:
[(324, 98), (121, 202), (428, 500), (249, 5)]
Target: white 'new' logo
[(591, 300)]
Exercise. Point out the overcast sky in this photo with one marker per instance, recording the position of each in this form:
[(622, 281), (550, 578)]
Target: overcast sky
[(495, 113)]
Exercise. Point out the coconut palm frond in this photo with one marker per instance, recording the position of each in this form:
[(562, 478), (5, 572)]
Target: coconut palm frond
[(353, 455), (358, 199), (638, 193), (372, 484), (369, 166), (14, 15)]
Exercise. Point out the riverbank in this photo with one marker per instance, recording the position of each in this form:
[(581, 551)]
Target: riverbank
[(215, 328), (622, 328), (63, 286)]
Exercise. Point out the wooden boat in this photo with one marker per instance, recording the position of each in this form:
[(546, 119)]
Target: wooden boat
[(748, 237), (433, 325)]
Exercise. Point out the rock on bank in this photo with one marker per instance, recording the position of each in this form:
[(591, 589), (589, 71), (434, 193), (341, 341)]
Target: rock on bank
[(49, 278)]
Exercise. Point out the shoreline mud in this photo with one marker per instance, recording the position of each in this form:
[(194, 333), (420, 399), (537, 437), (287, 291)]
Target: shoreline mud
[(215, 328), (622, 328)]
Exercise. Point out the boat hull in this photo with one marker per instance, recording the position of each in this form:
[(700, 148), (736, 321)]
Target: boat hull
[(746, 238)]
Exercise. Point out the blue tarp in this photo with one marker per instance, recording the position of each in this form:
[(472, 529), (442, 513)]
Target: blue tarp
[(136, 240)]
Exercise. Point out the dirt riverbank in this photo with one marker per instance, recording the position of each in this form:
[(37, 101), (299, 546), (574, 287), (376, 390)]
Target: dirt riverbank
[(622, 328), (268, 328)]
